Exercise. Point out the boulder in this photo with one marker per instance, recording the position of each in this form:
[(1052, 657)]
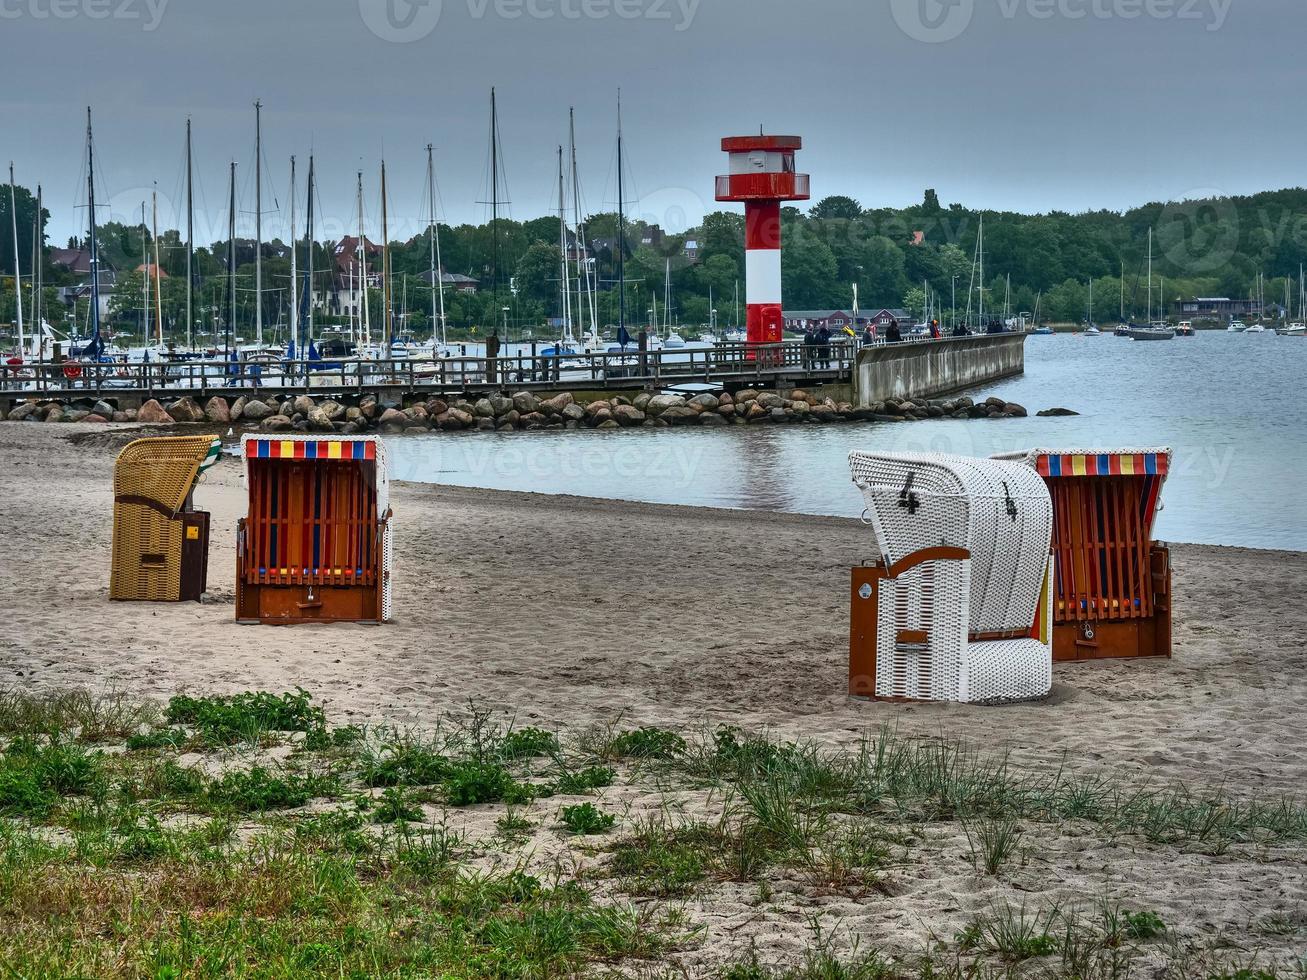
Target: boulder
[(1014, 411), (353, 414), (276, 423), (94, 417), (572, 412), (677, 414), (800, 409), (102, 408), (628, 415), (237, 409), (641, 400), (747, 395), (302, 405), (216, 410), (725, 399), (823, 413), (538, 420), (711, 418), (371, 408), (74, 415), (993, 402), (510, 418), (660, 404), (527, 403), (779, 415), (703, 403), (619, 400), (506, 426), (447, 422), (22, 412), (152, 413), (595, 407), (393, 416), (799, 395), (464, 418), (1046, 413), (608, 424), (501, 404), (436, 406), (319, 422), (550, 406), (186, 409), (333, 410), (598, 418), (485, 424), (55, 413), (754, 412), (770, 400), (482, 409), (963, 401), (255, 410)]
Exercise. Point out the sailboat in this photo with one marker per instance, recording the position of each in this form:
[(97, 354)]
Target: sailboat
[(1157, 330), (671, 339), (1091, 330), (1296, 329)]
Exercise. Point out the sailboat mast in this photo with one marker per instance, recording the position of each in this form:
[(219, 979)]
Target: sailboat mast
[(190, 238), (294, 254), (621, 225), (566, 281), (437, 269), (258, 222), (145, 278), (231, 258), (582, 257), (385, 265), (1150, 273), (494, 201), (155, 274), (95, 250), (18, 275), (308, 244), (363, 259), (38, 261), (980, 245)]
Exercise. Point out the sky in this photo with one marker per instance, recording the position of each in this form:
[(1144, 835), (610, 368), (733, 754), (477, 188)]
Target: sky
[(1025, 105)]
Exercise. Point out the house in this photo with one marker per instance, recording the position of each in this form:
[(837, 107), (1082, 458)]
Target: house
[(691, 250), (70, 295), (74, 260), (1219, 308), (455, 281), (652, 236)]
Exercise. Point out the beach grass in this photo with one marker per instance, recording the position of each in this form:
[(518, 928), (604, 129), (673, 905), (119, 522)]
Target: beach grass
[(244, 835)]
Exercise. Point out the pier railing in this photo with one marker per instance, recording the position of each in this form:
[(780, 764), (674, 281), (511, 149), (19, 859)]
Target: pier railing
[(766, 363)]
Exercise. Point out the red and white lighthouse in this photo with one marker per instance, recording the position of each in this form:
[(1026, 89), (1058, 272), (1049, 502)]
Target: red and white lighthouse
[(762, 176)]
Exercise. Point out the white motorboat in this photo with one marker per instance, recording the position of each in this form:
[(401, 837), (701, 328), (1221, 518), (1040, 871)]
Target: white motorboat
[(1236, 326)]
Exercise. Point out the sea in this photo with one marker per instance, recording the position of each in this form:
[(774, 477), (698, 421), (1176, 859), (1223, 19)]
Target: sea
[(1231, 407)]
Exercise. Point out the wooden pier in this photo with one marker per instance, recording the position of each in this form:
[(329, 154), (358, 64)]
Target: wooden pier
[(724, 366)]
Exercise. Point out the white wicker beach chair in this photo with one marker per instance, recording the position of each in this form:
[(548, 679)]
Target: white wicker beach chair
[(957, 609)]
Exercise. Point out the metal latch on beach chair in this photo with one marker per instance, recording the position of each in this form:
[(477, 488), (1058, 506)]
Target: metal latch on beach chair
[(907, 499)]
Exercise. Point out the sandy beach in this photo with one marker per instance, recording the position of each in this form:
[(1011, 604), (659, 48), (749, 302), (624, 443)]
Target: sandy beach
[(566, 612)]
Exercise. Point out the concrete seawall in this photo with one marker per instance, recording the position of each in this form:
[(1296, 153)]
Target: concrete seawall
[(939, 367)]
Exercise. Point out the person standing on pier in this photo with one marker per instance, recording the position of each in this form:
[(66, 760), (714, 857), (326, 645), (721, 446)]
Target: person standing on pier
[(823, 345), (643, 343)]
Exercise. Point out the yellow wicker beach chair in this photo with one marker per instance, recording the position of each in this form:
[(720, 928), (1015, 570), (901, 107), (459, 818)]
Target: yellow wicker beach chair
[(160, 543)]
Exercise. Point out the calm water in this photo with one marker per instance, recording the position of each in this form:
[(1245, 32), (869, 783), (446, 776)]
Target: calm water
[(1229, 405)]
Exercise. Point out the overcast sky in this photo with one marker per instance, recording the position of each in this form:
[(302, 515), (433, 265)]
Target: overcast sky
[(1028, 105)]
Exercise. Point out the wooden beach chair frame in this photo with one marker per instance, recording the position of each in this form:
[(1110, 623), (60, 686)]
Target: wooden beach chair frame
[(160, 549), (955, 607), (1113, 597), (316, 542)]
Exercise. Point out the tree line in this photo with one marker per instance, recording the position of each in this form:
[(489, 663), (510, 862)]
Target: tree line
[(899, 257)]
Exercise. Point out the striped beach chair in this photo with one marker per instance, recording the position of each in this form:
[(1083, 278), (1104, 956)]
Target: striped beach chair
[(315, 544), (1113, 595), (955, 607)]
